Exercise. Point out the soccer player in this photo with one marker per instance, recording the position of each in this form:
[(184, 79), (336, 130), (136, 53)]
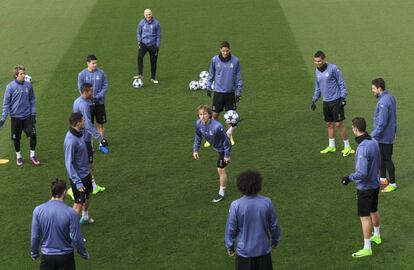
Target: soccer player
[(385, 127), (82, 105), (366, 179), (20, 103), (149, 40), (330, 83), (55, 228), (252, 229), (97, 78), (225, 72), (77, 166), (214, 133)]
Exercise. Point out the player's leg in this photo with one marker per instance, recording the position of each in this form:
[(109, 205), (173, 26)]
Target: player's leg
[(364, 203), (375, 217), (338, 113), (218, 105), (96, 187), (141, 53), (383, 168), (221, 170), (230, 104), (389, 164), (243, 263), (330, 125), (264, 262), (100, 119), (153, 52), (16, 133), (30, 130), (49, 262), (87, 182)]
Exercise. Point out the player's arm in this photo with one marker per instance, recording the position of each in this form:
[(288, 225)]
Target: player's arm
[(35, 236), (6, 104), (72, 174), (76, 236), (239, 81), (104, 89), (383, 118), (197, 142), (32, 100), (341, 82), (274, 226), (317, 90), (211, 74), (88, 124), (139, 32), (361, 167), (80, 81), (231, 230), (158, 42)]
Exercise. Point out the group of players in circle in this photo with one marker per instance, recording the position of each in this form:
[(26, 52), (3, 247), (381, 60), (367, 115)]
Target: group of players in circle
[(373, 156)]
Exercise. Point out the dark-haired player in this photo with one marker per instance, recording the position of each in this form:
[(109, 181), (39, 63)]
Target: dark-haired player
[(252, 229)]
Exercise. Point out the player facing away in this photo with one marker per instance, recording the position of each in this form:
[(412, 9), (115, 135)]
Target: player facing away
[(214, 133), (330, 83), (366, 179), (55, 229), (149, 40), (20, 102), (82, 105), (77, 166), (385, 127), (95, 76), (225, 72), (252, 229)]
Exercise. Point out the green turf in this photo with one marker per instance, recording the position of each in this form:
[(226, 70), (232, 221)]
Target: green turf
[(156, 213)]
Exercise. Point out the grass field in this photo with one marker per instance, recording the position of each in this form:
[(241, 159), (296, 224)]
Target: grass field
[(156, 212)]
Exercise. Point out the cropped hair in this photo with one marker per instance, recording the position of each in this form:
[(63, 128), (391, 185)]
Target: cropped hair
[(57, 188), (320, 54), (90, 58), (379, 83), (224, 44), (249, 182), (86, 87), (75, 118), (359, 123)]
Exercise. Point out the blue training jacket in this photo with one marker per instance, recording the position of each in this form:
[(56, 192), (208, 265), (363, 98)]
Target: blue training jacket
[(226, 75), (55, 228), (367, 165), (252, 226), (149, 33), (214, 133), (98, 79), (385, 119), (330, 84), (19, 100), (76, 158), (83, 106)]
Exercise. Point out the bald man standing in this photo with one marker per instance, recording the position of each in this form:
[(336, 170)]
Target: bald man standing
[(149, 39)]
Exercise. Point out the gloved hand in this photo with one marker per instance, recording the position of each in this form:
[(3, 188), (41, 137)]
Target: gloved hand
[(313, 105), (104, 143), (345, 180), (34, 119), (2, 122), (343, 102), (238, 98), (209, 93)]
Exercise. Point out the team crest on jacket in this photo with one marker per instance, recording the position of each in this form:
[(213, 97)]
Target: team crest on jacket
[(327, 74), (97, 77), (26, 90)]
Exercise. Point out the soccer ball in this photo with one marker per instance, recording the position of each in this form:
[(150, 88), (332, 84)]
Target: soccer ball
[(28, 78), (203, 84), (231, 117), (137, 83), (194, 85), (204, 75)]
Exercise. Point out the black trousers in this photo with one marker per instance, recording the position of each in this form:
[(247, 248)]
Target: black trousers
[(254, 263), (153, 52), (58, 262), (386, 161)]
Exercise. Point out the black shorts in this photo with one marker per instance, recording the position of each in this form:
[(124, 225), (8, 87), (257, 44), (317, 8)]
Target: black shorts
[(386, 151), (220, 161), (367, 201), (18, 126), (98, 112), (260, 262), (81, 197), (90, 151), (333, 111), (52, 262), (224, 100)]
